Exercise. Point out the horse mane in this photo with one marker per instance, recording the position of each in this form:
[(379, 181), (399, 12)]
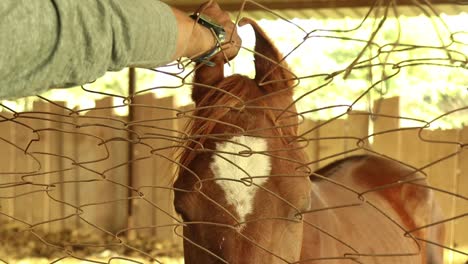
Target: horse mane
[(230, 95)]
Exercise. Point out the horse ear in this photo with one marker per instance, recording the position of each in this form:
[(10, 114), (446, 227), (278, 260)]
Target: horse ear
[(207, 77), (271, 72)]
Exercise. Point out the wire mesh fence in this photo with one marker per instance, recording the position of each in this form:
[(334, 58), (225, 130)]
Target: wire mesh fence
[(93, 184)]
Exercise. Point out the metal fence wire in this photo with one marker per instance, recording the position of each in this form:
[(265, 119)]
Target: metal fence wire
[(88, 184)]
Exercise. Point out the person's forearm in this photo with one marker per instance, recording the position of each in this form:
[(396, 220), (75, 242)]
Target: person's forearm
[(62, 43)]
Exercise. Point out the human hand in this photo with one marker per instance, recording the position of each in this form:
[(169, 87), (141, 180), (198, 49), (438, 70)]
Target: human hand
[(232, 44)]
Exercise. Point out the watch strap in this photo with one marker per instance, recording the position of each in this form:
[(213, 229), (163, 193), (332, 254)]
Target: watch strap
[(218, 32)]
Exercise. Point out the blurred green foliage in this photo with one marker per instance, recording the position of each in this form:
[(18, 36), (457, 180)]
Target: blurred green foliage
[(431, 76)]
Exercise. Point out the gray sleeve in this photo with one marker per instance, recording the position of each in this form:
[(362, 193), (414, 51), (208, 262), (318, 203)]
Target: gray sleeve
[(62, 43)]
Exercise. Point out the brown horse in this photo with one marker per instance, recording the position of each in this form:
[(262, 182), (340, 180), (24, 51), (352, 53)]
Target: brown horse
[(371, 231), (246, 197)]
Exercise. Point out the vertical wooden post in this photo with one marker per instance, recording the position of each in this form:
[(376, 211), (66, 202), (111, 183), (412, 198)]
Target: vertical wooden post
[(88, 151), (156, 171), (46, 151), (71, 189), (7, 165), (143, 172), (111, 216), (443, 175), (165, 169), (24, 165), (130, 151), (335, 146), (388, 143), (414, 150), (461, 225), (98, 152), (357, 126)]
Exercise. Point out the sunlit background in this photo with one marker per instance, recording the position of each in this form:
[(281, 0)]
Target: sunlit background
[(425, 91)]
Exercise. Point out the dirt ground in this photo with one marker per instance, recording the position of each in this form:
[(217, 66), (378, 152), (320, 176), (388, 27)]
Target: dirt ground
[(19, 246)]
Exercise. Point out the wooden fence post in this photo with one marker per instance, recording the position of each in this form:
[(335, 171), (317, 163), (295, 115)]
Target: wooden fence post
[(25, 164), (71, 193), (461, 225), (7, 166), (357, 126), (443, 174), (387, 144), (46, 150), (97, 152), (165, 168), (112, 216), (155, 172), (143, 172), (414, 151), (331, 143)]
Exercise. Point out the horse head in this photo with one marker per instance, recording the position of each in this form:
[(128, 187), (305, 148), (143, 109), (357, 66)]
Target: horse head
[(240, 189)]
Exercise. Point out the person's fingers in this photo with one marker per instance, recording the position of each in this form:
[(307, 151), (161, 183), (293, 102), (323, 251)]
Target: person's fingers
[(233, 42), (214, 11), (209, 7)]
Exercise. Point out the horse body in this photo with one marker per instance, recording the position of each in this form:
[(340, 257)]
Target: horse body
[(244, 193), (373, 230)]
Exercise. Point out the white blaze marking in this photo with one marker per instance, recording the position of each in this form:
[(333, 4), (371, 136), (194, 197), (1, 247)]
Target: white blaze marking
[(237, 193)]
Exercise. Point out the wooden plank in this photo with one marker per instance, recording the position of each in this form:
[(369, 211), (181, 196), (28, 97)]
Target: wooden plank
[(119, 209), (155, 173), (46, 149), (143, 172), (388, 143), (357, 126), (308, 131), (100, 152), (461, 225), (112, 216), (164, 168), (7, 165), (415, 151), (40, 202), (331, 142), (89, 152), (24, 165), (70, 175), (443, 175), (57, 209)]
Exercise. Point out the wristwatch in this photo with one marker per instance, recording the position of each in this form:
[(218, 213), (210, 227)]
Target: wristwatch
[(219, 33)]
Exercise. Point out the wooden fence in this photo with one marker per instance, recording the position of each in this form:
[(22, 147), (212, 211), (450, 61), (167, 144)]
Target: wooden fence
[(79, 166)]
